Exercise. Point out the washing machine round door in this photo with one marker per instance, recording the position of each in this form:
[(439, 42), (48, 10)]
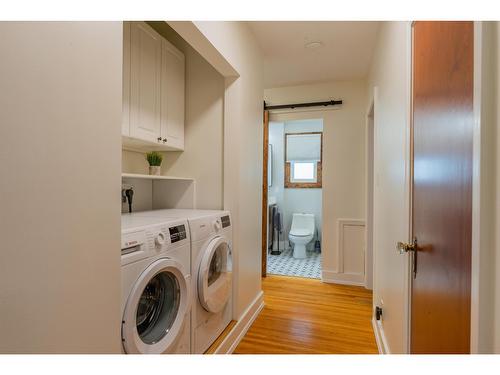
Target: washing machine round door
[(215, 276), (156, 309)]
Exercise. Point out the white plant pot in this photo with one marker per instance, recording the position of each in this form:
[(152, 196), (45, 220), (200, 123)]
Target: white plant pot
[(155, 170)]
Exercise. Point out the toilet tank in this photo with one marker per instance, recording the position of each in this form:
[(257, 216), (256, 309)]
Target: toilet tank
[(303, 221)]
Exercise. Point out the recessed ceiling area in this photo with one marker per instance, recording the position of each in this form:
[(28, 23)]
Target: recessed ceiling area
[(312, 51)]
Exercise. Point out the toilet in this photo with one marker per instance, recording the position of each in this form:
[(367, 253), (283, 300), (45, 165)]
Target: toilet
[(301, 233)]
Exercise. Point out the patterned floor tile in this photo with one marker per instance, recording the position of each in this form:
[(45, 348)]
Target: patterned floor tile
[(285, 264)]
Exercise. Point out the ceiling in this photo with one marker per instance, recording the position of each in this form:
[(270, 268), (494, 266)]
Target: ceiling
[(346, 51)]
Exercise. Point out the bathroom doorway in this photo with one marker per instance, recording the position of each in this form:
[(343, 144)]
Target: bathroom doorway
[(294, 152)]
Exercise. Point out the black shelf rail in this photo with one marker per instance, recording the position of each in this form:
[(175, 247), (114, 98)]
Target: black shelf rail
[(302, 105)]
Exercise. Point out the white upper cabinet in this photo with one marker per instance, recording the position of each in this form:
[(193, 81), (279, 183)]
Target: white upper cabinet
[(145, 90), (172, 95), (153, 91)]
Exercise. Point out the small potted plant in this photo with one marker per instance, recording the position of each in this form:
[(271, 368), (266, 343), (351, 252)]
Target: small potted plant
[(154, 159)]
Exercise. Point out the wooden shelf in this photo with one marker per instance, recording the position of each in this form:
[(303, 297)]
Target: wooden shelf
[(153, 177)]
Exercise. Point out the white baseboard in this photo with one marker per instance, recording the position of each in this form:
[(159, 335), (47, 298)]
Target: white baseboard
[(378, 330), (233, 338), (342, 278)]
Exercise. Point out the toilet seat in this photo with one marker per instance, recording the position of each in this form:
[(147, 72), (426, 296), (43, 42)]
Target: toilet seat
[(300, 233)]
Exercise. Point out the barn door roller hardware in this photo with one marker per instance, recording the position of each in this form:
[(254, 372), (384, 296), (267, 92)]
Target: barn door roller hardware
[(302, 105)]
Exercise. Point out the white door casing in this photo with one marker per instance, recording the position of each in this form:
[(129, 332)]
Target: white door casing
[(392, 176)]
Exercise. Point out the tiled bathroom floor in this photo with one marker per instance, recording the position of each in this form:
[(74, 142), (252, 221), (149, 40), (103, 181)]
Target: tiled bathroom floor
[(285, 264)]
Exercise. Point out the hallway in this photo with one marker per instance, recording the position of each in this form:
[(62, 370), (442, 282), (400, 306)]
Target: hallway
[(306, 316)]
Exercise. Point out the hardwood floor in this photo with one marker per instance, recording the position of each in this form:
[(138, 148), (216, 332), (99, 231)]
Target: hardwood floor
[(306, 316)]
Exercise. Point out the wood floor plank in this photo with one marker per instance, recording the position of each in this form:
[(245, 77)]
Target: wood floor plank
[(306, 316)]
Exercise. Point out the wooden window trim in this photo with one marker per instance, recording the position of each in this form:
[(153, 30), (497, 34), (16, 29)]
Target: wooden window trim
[(319, 168)]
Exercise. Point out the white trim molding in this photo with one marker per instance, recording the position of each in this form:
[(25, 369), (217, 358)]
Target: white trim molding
[(233, 338), (482, 316), (341, 276), (378, 330), (408, 182), (369, 188), (476, 192)]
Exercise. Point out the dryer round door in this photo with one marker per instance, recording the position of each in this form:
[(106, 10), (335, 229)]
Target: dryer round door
[(156, 309), (215, 276)]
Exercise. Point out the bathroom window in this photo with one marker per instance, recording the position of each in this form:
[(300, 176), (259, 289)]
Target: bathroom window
[(303, 160), (303, 171)]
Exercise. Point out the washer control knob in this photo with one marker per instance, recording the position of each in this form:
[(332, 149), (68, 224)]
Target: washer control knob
[(160, 239), (217, 225)]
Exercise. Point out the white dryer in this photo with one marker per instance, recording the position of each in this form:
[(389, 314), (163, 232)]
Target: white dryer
[(211, 269), (156, 285)]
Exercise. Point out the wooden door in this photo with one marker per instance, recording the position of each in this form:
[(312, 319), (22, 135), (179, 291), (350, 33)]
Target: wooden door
[(172, 95), (145, 70), (442, 186)]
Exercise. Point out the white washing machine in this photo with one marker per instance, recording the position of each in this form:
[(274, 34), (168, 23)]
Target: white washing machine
[(156, 285), (211, 268)]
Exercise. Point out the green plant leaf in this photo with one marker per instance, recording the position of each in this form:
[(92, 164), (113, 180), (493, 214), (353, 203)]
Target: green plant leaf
[(154, 158)]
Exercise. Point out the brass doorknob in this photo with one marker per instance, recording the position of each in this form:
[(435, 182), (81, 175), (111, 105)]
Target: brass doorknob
[(404, 247)]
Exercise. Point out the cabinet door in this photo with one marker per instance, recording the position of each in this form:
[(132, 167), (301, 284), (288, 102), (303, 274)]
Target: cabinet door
[(145, 74), (172, 102), (126, 80)]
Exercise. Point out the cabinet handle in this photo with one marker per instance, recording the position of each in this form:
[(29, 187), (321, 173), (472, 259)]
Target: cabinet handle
[(159, 139), (164, 140)]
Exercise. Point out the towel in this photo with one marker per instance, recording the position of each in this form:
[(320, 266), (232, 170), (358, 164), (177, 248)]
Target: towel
[(277, 221)]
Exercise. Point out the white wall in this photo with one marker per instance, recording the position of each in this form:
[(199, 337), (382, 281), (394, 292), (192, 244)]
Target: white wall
[(485, 304), (233, 50), (486, 308), (496, 258), (276, 135), (202, 158), (290, 201), (390, 76), (369, 200), (60, 115), (483, 271), (343, 156), (243, 153)]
